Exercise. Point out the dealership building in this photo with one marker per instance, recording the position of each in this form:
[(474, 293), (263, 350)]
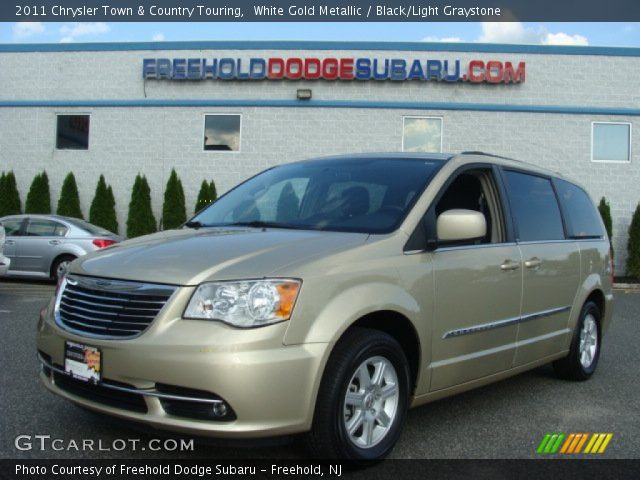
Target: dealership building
[(227, 110)]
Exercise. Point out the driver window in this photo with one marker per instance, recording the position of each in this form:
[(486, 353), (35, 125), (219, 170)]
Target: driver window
[(476, 190)]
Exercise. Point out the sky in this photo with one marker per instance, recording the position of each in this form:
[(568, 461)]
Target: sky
[(594, 34)]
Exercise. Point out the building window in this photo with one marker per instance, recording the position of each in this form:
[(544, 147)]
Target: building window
[(422, 134), (72, 132), (222, 132), (610, 142)]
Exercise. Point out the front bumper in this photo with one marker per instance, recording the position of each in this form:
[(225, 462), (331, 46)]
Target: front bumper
[(270, 387)]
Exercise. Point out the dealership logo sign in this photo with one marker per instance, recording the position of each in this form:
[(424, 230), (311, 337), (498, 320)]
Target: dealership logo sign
[(296, 68), (574, 443)]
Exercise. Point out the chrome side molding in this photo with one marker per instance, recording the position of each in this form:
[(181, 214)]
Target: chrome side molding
[(505, 323)]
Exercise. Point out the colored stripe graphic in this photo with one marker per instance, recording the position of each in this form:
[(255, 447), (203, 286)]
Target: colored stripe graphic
[(568, 442), (598, 443), (603, 447), (550, 443), (573, 443), (583, 439), (543, 443)]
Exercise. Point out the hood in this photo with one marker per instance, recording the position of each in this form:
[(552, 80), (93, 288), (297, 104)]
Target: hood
[(189, 257)]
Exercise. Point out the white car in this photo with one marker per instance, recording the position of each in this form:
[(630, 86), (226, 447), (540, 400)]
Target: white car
[(4, 261)]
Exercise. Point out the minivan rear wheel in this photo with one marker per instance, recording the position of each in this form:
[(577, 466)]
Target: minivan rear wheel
[(363, 399), (584, 353)]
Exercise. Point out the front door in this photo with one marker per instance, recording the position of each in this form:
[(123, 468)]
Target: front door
[(477, 304), (478, 289)]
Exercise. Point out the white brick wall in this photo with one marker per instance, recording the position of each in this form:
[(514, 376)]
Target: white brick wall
[(152, 140)]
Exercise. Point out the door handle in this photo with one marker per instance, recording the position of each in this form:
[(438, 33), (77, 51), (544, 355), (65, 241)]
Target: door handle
[(54, 242), (509, 265), (10, 242), (534, 262)]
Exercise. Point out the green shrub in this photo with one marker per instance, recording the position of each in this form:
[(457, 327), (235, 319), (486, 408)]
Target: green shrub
[(207, 195), (3, 181), (605, 212), (39, 197), (288, 204), (69, 201), (633, 246), (9, 196), (103, 207), (173, 209), (140, 220)]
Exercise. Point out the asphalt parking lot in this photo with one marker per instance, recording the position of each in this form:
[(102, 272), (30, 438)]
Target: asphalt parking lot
[(504, 420)]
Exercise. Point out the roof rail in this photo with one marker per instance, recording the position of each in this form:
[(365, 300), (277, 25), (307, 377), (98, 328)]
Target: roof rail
[(472, 152)]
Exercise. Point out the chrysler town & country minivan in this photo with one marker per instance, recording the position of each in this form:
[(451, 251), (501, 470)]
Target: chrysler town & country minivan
[(328, 296)]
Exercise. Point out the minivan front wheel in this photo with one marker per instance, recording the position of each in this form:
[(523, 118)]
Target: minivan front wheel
[(584, 353), (363, 398)]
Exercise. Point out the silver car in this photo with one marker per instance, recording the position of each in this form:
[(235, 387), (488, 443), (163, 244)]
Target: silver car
[(4, 261), (42, 246)]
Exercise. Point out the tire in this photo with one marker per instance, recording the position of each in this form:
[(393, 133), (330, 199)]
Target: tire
[(358, 356), (61, 261), (584, 353)]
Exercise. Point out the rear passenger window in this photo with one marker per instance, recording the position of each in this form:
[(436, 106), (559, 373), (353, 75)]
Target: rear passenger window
[(534, 206), (582, 219), (45, 228)]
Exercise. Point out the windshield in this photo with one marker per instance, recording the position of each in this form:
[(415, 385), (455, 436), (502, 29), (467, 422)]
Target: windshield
[(359, 195)]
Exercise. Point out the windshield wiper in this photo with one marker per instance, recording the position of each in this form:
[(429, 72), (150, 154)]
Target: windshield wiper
[(194, 224), (260, 224)]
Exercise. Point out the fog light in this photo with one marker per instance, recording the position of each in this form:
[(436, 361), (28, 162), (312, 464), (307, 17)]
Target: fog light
[(220, 409)]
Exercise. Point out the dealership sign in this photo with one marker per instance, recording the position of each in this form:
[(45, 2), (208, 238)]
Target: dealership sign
[(296, 68)]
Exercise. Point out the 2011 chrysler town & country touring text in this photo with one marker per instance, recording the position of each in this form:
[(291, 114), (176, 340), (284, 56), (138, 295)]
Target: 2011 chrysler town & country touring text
[(330, 295)]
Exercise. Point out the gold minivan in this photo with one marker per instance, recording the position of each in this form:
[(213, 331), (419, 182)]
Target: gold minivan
[(328, 296)]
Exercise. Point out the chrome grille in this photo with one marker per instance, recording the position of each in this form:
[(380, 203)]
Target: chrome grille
[(98, 307)]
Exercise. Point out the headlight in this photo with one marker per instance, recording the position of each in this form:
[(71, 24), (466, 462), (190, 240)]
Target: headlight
[(244, 303)]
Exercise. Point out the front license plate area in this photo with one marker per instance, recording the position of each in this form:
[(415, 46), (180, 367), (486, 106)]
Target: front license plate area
[(82, 362)]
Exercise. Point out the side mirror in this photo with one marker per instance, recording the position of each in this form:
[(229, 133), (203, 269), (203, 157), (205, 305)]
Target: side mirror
[(458, 225)]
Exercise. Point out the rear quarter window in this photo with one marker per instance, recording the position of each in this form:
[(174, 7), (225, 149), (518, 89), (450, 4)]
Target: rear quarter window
[(582, 219), (534, 207)]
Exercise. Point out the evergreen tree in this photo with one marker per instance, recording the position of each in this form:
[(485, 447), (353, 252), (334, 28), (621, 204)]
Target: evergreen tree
[(207, 195), (203, 197), (605, 212), (69, 202), (3, 179), (633, 246), (213, 194), (103, 212), (10, 199), (112, 218), (140, 220), (288, 204), (3, 194), (173, 210), (39, 197)]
